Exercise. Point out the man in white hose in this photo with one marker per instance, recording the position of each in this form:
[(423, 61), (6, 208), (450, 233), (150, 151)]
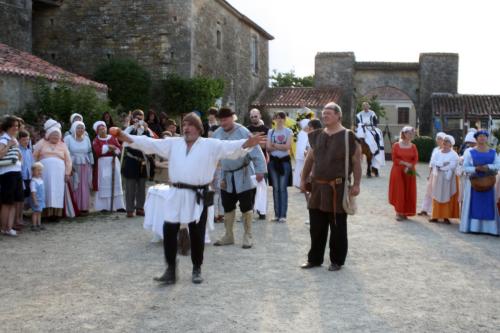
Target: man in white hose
[(192, 163)]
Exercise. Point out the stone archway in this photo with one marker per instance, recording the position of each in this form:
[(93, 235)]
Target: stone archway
[(400, 111)]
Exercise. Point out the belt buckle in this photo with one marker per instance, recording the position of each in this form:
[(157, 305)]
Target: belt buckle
[(338, 181)]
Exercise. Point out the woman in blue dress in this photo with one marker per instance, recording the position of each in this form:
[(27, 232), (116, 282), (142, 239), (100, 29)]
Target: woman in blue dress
[(479, 209)]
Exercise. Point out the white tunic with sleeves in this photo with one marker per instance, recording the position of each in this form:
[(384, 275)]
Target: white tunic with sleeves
[(196, 167)]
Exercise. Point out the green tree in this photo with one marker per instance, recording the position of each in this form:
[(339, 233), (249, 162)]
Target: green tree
[(61, 101), (289, 79), (374, 105), (129, 83), (181, 95)]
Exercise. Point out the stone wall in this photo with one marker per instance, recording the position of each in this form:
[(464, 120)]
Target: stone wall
[(15, 22), (435, 72), (438, 73), (222, 48), (80, 35), (336, 69), (15, 93)]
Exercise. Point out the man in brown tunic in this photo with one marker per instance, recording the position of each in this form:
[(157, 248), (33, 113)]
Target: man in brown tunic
[(326, 160)]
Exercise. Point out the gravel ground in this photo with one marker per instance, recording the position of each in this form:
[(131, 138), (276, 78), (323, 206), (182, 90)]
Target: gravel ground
[(95, 275)]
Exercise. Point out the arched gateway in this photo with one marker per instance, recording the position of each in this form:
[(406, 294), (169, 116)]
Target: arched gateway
[(435, 72)]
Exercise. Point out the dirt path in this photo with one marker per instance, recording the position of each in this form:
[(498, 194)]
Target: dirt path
[(95, 276)]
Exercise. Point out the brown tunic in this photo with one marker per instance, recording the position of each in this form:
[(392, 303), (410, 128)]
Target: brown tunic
[(329, 163)]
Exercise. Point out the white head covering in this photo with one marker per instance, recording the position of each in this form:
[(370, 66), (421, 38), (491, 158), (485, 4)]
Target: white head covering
[(472, 130), (407, 129), (470, 137), (450, 138), (303, 123), (97, 124), (51, 126), (73, 116), (75, 125), (51, 123), (52, 130), (441, 135)]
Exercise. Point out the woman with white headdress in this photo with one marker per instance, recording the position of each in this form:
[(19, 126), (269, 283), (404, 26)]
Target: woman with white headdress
[(445, 183), (80, 149), (427, 203), (107, 150), (74, 117), (54, 155)]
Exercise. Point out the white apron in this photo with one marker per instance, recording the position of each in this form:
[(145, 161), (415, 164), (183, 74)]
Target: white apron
[(260, 196), (103, 195), (53, 178)]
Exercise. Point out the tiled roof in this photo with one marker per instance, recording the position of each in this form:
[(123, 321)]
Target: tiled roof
[(456, 105), (19, 63), (297, 97), (388, 94)]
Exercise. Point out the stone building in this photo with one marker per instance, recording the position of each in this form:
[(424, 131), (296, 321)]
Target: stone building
[(19, 75), (435, 72), (15, 19), (186, 37)]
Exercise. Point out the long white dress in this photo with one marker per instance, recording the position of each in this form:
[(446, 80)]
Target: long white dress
[(104, 176)]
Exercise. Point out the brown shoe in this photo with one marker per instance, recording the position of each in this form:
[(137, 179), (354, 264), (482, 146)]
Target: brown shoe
[(130, 214), (139, 212)]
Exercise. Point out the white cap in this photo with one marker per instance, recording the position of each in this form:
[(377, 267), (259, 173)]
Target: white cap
[(98, 124), (470, 137), (303, 123), (450, 139)]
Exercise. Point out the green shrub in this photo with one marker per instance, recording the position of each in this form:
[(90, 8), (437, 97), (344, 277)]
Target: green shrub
[(180, 95), (425, 145), (61, 101), (129, 83)]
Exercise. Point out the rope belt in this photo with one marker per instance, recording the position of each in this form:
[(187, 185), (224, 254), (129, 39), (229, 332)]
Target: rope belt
[(332, 184)]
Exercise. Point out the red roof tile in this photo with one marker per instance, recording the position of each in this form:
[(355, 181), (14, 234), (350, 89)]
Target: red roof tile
[(297, 97), (16, 62), (456, 105)]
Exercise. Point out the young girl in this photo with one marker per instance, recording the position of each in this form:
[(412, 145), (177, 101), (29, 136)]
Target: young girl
[(37, 196)]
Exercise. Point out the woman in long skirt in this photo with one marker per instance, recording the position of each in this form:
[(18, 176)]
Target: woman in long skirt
[(479, 209), (107, 150), (80, 149), (54, 155), (403, 183), (445, 183)]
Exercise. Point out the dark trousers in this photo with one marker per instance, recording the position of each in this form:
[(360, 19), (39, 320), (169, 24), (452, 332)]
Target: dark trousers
[(196, 235), (319, 223), (246, 199), (135, 193)]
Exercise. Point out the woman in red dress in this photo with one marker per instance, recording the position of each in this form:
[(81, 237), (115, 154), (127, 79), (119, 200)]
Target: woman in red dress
[(403, 182)]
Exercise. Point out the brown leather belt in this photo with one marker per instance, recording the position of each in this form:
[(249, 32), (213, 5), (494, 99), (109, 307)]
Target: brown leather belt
[(332, 183)]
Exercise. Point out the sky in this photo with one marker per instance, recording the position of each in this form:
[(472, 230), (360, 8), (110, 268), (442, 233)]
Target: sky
[(384, 30)]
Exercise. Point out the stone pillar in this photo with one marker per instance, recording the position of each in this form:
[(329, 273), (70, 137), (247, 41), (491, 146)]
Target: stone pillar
[(438, 73), (336, 69)]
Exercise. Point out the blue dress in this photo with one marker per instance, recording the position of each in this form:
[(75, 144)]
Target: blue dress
[(482, 205), (479, 209)]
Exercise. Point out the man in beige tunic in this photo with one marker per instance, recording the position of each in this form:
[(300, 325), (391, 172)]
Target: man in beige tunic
[(326, 160)]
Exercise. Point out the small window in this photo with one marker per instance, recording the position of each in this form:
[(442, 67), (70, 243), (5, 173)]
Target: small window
[(53, 56), (219, 39), (108, 55), (255, 54), (172, 55), (175, 18), (403, 115), (51, 22)]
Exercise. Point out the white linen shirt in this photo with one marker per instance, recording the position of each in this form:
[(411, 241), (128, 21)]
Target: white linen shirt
[(196, 167)]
